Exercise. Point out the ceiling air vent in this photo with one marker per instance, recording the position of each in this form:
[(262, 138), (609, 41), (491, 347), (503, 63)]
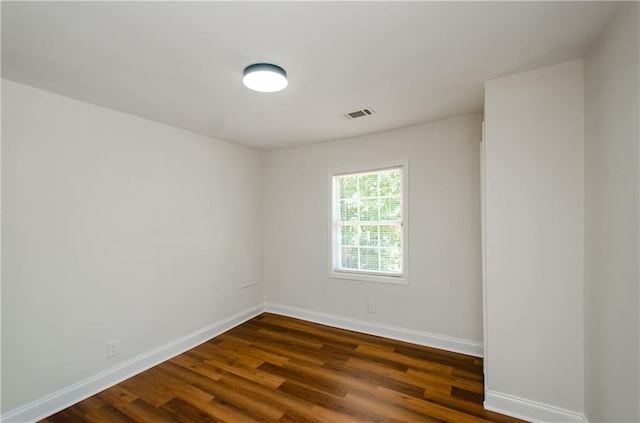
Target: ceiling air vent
[(359, 113)]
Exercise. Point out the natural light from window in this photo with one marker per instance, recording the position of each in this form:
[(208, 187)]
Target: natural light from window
[(368, 224)]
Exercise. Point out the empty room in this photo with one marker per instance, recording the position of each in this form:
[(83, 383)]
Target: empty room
[(320, 212)]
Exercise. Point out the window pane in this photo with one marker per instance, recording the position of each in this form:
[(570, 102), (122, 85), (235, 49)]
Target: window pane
[(390, 260), (349, 258), (369, 209), (390, 209), (348, 186), (369, 258), (368, 185), (348, 210), (390, 182), (369, 236), (368, 230), (390, 236), (349, 234)]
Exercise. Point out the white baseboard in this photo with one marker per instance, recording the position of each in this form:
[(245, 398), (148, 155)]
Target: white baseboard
[(415, 337), (494, 401), (529, 410), (64, 398)]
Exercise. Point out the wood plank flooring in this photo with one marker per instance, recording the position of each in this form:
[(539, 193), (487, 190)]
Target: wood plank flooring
[(278, 369)]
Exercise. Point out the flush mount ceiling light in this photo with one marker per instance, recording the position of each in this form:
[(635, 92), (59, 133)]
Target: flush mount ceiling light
[(265, 77)]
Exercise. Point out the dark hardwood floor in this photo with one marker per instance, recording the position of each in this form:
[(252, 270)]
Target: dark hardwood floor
[(278, 369)]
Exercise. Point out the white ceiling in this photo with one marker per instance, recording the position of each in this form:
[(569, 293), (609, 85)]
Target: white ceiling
[(181, 63)]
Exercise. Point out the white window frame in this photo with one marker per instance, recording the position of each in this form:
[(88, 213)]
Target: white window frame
[(334, 214)]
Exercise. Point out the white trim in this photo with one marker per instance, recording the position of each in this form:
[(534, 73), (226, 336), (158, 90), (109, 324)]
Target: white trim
[(368, 167), (400, 279), (483, 251), (529, 410), (368, 277), (51, 404), (66, 397), (392, 332)]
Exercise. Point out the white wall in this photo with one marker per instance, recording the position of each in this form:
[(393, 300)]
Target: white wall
[(115, 227), (444, 292), (612, 316), (534, 241)]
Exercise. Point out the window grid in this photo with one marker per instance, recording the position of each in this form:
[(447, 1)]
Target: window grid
[(379, 247), (385, 223)]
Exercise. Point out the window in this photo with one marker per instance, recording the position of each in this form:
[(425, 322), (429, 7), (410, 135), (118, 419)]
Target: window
[(369, 225)]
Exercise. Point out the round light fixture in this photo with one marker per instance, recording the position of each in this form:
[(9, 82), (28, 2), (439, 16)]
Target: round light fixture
[(265, 77)]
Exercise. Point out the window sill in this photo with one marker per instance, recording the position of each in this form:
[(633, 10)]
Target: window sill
[(368, 277)]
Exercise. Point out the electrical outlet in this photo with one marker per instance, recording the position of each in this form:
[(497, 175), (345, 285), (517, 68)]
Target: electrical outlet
[(113, 348), (371, 306)]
